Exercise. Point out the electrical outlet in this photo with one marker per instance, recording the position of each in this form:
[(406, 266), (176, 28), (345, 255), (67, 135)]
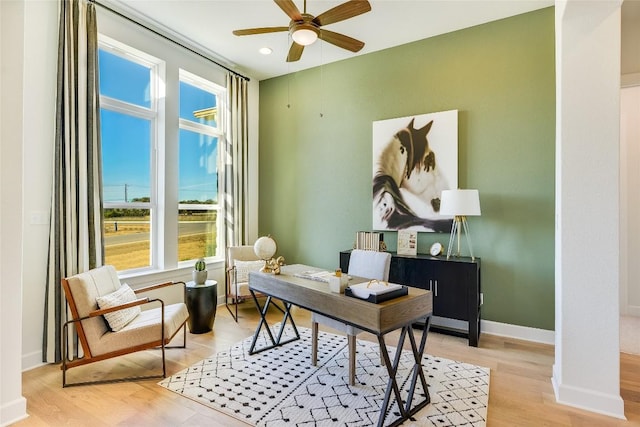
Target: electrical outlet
[(39, 218)]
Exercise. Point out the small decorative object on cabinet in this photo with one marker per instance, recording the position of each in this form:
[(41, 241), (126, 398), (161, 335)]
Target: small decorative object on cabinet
[(199, 272), (455, 284), (370, 241), (407, 242), (436, 249)]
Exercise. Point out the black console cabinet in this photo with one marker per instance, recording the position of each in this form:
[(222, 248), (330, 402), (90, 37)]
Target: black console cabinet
[(455, 284)]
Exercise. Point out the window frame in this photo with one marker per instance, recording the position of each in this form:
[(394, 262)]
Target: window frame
[(219, 132), (164, 206)]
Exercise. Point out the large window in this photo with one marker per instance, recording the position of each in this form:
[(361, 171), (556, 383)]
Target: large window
[(160, 170), (198, 167)]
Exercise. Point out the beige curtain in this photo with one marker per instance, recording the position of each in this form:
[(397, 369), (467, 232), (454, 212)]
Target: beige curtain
[(236, 148), (75, 238)]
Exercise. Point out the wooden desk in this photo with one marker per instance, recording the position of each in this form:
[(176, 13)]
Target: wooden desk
[(379, 319)]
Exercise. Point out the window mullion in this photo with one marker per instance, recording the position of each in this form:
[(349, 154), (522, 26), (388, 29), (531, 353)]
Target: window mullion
[(199, 128), (126, 108)]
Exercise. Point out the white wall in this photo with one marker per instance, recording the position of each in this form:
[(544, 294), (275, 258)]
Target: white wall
[(587, 367), (41, 42), (12, 405), (629, 200)]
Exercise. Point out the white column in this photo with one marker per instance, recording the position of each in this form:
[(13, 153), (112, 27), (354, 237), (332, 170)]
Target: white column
[(586, 373), (629, 200), (12, 405)]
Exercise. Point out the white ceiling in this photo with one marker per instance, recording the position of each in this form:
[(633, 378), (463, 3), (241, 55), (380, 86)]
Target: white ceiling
[(208, 24)]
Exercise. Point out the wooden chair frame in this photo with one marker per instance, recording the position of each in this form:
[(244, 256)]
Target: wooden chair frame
[(89, 358)]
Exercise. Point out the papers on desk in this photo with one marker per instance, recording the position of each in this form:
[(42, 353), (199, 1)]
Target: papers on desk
[(376, 291), (319, 276)]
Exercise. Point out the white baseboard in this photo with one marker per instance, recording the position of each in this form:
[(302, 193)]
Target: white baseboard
[(500, 329), (611, 405), (14, 411), (632, 310), (519, 332), (32, 360), (627, 80)]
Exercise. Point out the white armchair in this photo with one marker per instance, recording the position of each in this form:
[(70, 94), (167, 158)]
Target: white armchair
[(109, 321), (240, 261), (366, 264)]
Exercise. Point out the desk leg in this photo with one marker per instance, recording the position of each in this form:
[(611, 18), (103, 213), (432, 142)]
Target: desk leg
[(277, 341), (406, 410)]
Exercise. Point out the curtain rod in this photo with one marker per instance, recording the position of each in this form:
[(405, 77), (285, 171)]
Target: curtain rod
[(168, 39)]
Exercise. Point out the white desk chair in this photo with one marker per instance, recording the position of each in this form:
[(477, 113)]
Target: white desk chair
[(367, 264)]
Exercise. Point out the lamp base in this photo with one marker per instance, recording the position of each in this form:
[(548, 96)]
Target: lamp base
[(459, 222)]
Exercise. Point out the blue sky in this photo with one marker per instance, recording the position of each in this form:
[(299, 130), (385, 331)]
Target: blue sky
[(126, 151)]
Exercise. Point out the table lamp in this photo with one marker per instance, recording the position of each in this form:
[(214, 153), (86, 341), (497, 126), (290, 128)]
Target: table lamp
[(460, 204)]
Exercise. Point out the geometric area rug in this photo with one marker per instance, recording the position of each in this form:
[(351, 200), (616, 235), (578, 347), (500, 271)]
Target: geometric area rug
[(280, 387)]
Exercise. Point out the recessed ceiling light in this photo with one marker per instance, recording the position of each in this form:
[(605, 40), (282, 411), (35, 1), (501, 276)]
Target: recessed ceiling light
[(265, 50)]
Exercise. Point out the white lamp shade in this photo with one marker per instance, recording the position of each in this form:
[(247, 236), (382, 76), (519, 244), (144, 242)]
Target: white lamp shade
[(460, 203), (304, 36)]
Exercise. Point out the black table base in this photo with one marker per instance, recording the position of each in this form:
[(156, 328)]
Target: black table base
[(406, 408), (286, 317)]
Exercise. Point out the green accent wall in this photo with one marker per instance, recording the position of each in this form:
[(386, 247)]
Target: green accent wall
[(315, 148)]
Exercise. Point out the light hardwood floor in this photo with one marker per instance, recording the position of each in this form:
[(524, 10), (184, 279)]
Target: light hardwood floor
[(520, 392)]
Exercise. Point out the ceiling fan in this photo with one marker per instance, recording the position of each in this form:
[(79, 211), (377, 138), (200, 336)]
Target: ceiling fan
[(305, 28)]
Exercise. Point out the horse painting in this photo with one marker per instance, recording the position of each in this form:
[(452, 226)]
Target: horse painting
[(408, 178)]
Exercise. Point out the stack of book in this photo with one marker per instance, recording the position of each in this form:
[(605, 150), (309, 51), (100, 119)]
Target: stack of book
[(369, 240)]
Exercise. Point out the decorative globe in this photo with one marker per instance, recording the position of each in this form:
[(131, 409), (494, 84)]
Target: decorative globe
[(265, 247)]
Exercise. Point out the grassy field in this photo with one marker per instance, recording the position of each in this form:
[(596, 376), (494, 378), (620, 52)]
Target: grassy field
[(125, 256)]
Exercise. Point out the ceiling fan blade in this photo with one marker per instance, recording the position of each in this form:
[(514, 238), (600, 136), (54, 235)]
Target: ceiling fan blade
[(289, 7), (343, 11), (341, 40), (263, 30), (295, 52)]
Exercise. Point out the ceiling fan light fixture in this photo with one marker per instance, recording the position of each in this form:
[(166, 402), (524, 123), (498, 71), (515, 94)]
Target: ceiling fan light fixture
[(305, 34), (304, 28)]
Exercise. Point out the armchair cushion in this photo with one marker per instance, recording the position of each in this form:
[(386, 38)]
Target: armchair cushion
[(244, 267), (120, 318), (145, 328)]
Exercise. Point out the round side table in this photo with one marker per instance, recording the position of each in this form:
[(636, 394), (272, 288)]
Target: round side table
[(201, 302)]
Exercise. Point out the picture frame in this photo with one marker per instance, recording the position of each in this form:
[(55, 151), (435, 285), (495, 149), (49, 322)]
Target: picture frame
[(414, 159)]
